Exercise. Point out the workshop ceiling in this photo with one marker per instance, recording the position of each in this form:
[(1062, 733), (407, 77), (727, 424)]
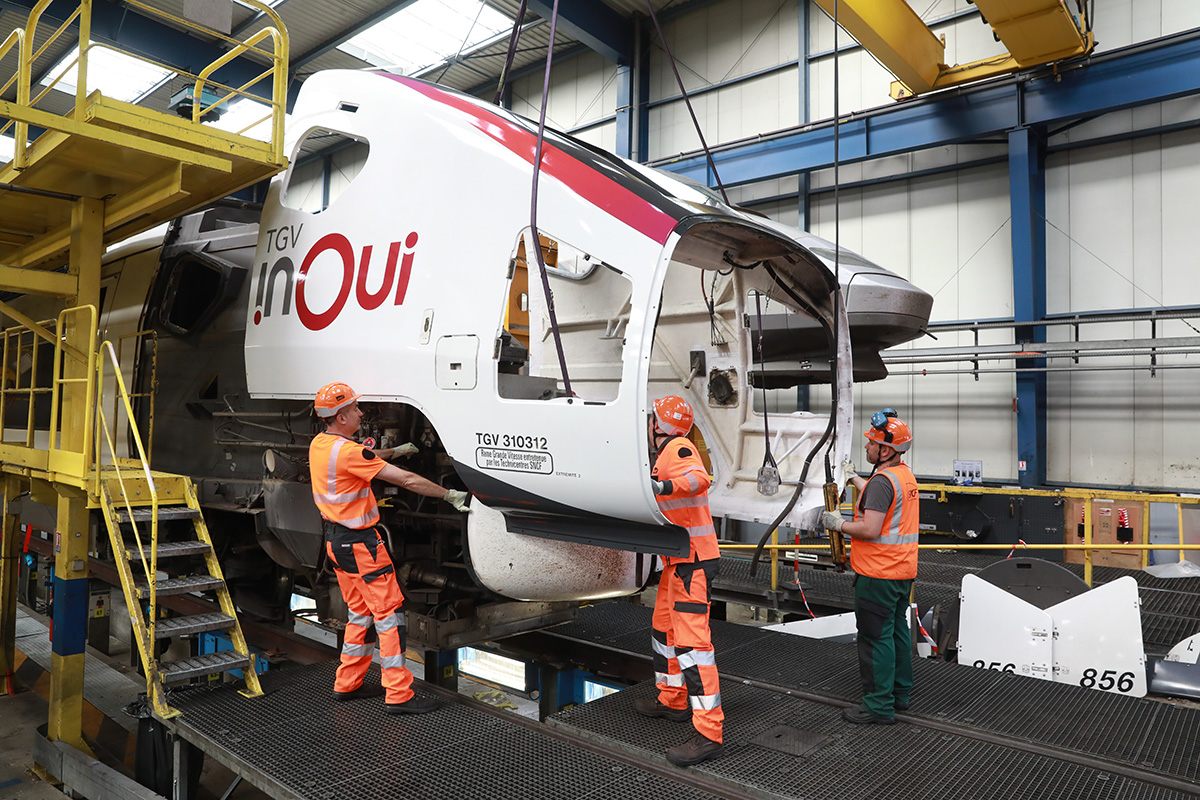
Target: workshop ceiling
[(320, 29)]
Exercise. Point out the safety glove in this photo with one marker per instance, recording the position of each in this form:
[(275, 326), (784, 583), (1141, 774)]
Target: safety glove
[(405, 450), (457, 499), (831, 521)]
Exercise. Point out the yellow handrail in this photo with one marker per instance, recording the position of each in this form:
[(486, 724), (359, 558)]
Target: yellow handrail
[(87, 357), (152, 392), (279, 84), (279, 57), (25, 66), (21, 132), (150, 569), (24, 40)]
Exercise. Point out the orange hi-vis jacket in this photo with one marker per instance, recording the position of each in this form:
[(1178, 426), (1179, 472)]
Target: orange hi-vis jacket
[(893, 555), (342, 471), (687, 504)]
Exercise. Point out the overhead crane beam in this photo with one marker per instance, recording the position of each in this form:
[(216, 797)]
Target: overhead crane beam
[(1034, 31), (895, 35)]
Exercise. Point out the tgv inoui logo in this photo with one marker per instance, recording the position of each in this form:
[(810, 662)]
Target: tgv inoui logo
[(354, 276)]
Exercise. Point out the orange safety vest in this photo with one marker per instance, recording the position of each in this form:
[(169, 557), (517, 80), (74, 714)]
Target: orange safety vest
[(342, 471), (687, 504), (894, 554)]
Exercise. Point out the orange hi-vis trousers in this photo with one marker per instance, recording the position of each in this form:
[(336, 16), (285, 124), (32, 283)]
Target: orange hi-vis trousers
[(368, 583), (684, 663)]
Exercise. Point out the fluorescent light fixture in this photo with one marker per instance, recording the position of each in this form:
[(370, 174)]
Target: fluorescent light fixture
[(492, 668), (115, 74), (594, 691), (426, 32)]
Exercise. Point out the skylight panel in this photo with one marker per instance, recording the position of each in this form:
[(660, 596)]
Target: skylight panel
[(243, 112), (426, 32), (115, 74)]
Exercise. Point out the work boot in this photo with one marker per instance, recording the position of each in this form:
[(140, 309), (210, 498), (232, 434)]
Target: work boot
[(861, 716), (902, 705), (364, 690), (694, 750), (650, 707), (414, 705)]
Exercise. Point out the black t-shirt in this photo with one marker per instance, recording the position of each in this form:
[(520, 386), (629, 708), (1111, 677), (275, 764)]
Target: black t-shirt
[(878, 494)]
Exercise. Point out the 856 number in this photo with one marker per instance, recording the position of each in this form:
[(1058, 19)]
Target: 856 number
[(1107, 680)]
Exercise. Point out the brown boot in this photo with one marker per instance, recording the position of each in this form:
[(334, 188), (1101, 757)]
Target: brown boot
[(650, 707), (694, 750)]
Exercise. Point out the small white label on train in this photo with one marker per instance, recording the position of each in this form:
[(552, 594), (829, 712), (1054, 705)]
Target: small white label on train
[(514, 460)]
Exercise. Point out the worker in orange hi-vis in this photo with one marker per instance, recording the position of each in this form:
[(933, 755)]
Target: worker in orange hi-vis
[(684, 663), (342, 471), (885, 530)]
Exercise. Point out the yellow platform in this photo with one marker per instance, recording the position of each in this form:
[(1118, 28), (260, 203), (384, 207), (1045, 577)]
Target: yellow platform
[(148, 166)]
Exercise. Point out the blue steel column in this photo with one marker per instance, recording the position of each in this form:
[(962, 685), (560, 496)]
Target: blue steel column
[(641, 75), (1027, 187), (625, 122), (805, 112)]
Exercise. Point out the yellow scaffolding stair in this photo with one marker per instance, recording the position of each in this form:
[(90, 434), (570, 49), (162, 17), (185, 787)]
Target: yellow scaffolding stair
[(100, 172), (133, 498)]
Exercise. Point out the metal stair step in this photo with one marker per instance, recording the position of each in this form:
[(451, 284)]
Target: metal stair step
[(199, 623), (194, 583), (211, 664), (170, 549), (145, 514)]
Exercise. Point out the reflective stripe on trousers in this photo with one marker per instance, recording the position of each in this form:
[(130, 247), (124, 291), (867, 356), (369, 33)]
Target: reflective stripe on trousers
[(684, 662), (379, 602)]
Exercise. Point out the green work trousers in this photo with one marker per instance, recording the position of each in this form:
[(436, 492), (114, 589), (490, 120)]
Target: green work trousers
[(884, 643)]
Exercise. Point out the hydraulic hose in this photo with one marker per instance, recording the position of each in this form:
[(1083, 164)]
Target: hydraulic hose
[(831, 335)]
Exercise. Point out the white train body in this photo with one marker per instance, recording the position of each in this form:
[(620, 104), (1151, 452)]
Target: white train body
[(392, 256)]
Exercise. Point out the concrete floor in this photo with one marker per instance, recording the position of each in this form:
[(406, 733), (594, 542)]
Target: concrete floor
[(21, 715)]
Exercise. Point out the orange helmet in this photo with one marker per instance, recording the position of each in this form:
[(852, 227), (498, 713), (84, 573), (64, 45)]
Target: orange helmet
[(332, 398), (889, 429), (673, 415)]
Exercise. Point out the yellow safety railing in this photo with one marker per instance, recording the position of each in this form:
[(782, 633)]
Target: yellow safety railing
[(63, 458), (1005, 546), (277, 69), (58, 396), (127, 490), (21, 134), (277, 72), (1070, 493), (21, 348), (152, 382)]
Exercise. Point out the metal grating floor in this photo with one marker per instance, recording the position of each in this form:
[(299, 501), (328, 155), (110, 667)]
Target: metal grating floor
[(299, 743), (900, 762), (1170, 606), (1139, 733)]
